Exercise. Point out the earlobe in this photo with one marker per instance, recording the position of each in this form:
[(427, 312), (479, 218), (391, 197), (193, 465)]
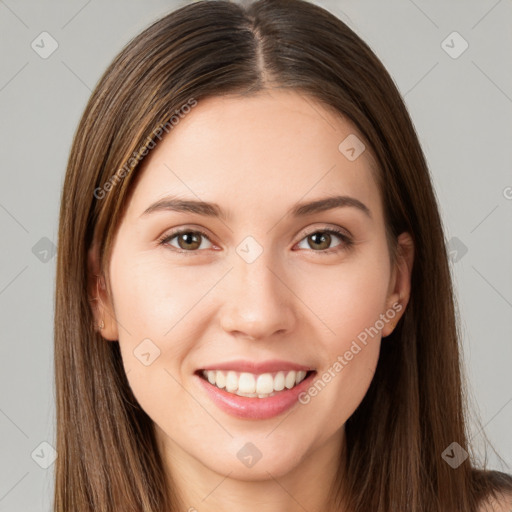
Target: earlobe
[(400, 286), (104, 317)]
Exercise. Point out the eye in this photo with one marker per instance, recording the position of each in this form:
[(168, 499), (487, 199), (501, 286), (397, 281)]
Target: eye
[(321, 239), (188, 240)]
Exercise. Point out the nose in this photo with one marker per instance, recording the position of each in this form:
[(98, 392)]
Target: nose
[(258, 301)]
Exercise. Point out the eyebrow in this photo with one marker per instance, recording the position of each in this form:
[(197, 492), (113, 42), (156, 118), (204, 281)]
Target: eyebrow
[(214, 210)]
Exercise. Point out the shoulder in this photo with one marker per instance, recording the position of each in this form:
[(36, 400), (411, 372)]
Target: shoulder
[(501, 502), (500, 497)]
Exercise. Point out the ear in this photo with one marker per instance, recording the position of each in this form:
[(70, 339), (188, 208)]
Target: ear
[(400, 282), (101, 304)]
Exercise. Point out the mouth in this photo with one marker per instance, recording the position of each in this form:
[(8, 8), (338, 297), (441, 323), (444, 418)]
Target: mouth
[(251, 385)]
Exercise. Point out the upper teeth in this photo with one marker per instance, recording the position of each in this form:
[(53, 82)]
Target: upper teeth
[(250, 384)]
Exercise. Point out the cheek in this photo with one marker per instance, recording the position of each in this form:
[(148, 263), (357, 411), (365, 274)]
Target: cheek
[(349, 300), (149, 301), (161, 313), (346, 299), (157, 299)]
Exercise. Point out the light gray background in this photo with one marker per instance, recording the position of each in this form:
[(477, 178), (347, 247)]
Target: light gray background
[(461, 108)]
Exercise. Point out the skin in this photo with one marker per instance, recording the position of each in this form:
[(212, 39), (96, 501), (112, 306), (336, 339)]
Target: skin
[(502, 503), (256, 157)]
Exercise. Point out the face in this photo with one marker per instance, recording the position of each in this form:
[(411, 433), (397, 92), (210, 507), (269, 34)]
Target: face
[(260, 282)]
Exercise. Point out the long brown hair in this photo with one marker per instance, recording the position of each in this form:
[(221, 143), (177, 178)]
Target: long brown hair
[(415, 408)]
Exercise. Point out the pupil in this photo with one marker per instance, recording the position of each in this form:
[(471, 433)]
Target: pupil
[(188, 238), (319, 238)]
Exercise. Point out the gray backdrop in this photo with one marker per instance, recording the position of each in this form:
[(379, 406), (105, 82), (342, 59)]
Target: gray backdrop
[(448, 59)]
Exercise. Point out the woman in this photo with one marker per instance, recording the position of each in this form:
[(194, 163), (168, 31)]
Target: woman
[(253, 306)]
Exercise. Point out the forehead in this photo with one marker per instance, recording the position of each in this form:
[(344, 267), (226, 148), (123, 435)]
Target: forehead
[(264, 151)]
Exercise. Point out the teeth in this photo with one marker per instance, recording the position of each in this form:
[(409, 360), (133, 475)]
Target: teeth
[(264, 384), (247, 383), (231, 380), (250, 385)]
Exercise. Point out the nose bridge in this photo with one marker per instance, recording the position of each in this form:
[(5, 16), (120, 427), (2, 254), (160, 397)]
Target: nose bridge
[(257, 302)]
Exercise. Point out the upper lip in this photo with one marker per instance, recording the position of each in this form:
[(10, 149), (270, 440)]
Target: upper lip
[(257, 367)]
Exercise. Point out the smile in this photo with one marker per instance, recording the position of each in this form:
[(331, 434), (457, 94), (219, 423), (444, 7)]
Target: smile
[(253, 385), (254, 396)]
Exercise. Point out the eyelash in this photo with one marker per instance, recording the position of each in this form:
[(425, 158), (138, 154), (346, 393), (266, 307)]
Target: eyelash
[(346, 244)]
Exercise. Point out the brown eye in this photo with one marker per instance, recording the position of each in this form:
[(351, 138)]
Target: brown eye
[(321, 240), (188, 240)]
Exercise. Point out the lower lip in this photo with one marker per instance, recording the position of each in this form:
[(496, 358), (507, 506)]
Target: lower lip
[(254, 408)]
